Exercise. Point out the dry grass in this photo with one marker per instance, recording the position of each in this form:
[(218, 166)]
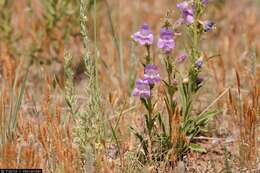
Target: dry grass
[(43, 137)]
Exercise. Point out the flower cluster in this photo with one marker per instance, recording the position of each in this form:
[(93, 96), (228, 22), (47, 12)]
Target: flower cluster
[(187, 9), (142, 89), (187, 12), (166, 41), (151, 74), (143, 86), (144, 36)]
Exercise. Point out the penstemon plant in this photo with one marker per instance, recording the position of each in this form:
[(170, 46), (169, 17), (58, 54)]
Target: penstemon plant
[(144, 87), (157, 141)]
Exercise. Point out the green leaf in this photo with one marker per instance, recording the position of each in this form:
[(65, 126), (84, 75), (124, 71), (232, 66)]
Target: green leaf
[(161, 122), (148, 122), (165, 83), (167, 104), (205, 117), (144, 102), (197, 148), (141, 139)]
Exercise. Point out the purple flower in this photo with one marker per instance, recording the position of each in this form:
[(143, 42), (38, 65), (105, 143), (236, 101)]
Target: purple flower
[(187, 12), (204, 2), (208, 25), (199, 80), (142, 89), (181, 57), (188, 16), (151, 74), (144, 36), (166, 41), (199, 63), (182, 5)]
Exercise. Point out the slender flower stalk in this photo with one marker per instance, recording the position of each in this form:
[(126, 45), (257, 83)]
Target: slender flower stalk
[(193, 83), (171, 88), (167, 44), (144, 87), (196, 60), (148, 57)]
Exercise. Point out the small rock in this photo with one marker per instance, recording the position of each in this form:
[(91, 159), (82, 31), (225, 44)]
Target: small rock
[(180, 168), (215, 141)]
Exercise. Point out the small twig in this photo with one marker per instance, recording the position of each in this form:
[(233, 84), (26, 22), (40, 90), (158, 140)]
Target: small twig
[(212, 138), (207, 138), (221, 95), (123, 112)]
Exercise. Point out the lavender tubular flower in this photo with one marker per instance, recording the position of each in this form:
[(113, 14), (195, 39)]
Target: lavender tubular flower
[(182, 5), (188, 16), (187, 12), (144, 36), (199, 63), (142, 89), (204, 2), (166, 41), (151, 74), (181, 57), (208, 25)]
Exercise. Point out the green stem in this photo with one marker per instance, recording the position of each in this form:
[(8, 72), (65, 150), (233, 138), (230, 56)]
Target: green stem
[(193, 73), (148, 57), (170, 91), (149, 108), (169, 69)]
